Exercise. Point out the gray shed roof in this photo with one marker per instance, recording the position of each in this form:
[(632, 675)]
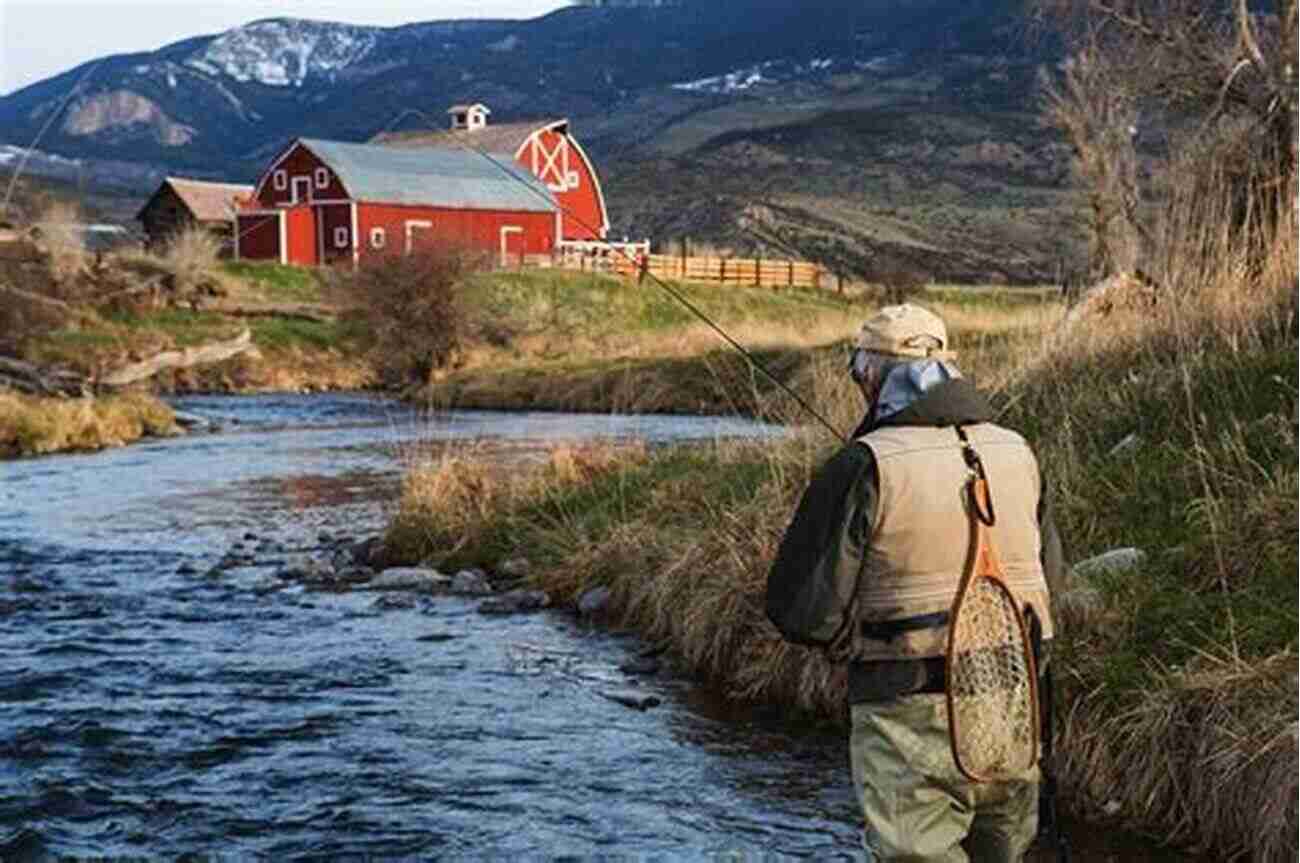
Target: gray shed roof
[(458, 179)]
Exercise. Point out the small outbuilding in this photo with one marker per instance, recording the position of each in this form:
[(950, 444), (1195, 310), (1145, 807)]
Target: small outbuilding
[(180, 203), (323, 202)]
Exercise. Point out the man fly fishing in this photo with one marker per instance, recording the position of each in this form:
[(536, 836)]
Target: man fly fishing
[(868, 570)]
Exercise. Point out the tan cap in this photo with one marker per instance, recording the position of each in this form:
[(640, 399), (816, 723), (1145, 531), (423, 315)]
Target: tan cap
[(905, 331)]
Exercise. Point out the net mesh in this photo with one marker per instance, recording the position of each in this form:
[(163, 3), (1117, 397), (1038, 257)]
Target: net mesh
[(992, 705)]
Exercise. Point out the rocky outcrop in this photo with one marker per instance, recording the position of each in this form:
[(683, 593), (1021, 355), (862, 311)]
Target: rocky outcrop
[(122, 109)]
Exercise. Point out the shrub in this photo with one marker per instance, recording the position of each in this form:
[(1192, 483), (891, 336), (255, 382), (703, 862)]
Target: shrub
[(191, 256), (409, 313), (58, 238)]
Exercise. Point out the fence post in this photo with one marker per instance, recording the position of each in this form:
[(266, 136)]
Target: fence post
[(790, 281), (758, 269), (722, 271)]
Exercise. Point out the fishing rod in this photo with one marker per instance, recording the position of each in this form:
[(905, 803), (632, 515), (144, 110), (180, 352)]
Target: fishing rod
[(753, 360)]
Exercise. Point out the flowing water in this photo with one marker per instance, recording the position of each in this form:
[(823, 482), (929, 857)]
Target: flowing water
[(151, 710)]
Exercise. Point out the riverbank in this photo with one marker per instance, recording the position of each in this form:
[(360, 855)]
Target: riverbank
[(1170, 430), (69, 322)]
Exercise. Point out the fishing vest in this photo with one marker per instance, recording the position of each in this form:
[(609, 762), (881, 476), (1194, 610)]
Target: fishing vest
[(922, 533)]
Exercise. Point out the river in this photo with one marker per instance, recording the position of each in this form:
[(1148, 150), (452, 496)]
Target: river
[(149, 709)]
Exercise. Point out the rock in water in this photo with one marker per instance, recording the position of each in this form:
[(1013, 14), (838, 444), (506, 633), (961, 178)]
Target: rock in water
[(410, 578), (594, 601), (515, 602), (632, 698), (470, 582)]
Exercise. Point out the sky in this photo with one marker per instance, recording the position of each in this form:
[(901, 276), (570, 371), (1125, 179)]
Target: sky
[(40, 38)]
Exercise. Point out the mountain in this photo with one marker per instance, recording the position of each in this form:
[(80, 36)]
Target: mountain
[(816, 98)]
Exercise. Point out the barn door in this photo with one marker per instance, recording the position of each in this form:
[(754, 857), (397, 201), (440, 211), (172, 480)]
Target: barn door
[(418, 234), (512, 245)]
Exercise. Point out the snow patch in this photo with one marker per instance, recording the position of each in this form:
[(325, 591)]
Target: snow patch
[(283, 53), (731, 82)]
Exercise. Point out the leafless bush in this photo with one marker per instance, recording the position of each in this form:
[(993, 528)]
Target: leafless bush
[(408, 310), (191, 256), (56, 232)]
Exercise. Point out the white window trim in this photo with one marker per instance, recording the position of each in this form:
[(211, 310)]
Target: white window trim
[(506, 231), (340, 237), (280, 180), (378, 238), (294, 186), (411, 225), (322, 178)]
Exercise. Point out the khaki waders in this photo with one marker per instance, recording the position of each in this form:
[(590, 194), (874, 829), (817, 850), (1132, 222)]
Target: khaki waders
[(918, 806)]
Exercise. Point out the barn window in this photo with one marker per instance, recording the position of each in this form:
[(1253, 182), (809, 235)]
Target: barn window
[(280, 180), (341, 238), (322, 178), (377, 238)]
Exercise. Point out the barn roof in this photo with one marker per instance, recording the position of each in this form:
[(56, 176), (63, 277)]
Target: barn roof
[(209, 202), (505, 138), (440, 178)]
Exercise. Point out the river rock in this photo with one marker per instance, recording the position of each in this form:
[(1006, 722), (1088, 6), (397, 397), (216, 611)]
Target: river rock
[(594, 601), (515, 567), (632, 698), (515, 602), (394, 602), (470, 582), (1116, 560), (1130, 442), (356, 575), (368, 552), (307, 569), (268, 586), (187, 569), (641, 665), (411, 578), (191, 422)]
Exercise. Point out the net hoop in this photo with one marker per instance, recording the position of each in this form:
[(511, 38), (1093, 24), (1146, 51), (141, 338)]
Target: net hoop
[(983, 565)]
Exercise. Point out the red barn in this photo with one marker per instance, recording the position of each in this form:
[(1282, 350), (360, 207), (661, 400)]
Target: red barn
[(321, 202), (545, 148)]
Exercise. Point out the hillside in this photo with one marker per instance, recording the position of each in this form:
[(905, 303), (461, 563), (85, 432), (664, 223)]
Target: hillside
[(877, 136)]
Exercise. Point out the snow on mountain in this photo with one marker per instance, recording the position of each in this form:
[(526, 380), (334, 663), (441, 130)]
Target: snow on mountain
[(284, 52), (767, 72)]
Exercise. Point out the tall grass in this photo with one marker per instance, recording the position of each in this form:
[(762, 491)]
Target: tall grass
[(36, 426)]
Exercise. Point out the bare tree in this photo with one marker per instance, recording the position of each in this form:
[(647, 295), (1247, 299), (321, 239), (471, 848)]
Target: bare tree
[(1096, 108), (1222, 77)]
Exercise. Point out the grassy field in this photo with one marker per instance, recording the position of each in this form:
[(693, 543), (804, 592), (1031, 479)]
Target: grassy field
[(563, 341), (1178, 678)]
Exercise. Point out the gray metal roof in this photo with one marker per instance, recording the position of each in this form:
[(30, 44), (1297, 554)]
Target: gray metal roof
[(458, 179)]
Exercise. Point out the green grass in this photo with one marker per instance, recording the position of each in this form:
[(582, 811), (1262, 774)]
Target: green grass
[(596, 304), (288, 333), (278, 283)]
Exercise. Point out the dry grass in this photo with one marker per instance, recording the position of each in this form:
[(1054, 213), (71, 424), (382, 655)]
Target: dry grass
[(36, 426)]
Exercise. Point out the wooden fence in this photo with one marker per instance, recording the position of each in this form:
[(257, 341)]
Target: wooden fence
[(757, 272), (634, 261)]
